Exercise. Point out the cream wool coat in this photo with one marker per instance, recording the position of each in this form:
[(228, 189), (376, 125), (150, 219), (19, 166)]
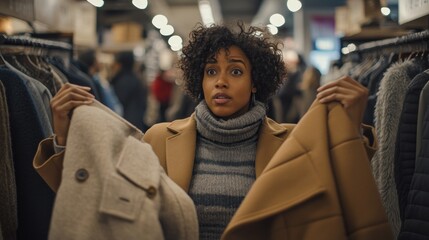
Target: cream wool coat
[(112, 185), (317, 186)]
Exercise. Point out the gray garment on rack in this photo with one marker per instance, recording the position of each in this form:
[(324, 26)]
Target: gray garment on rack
[(41, 97), (388, 108), (45, 96), (8, 208), (58, 77)]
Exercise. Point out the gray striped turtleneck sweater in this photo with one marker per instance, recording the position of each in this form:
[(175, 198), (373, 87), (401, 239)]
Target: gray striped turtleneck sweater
[(224, 167)]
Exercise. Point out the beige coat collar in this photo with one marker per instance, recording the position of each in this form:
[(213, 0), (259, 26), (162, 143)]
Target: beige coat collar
[(180, 148)]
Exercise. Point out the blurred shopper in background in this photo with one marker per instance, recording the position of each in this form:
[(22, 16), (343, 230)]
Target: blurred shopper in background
[(131, 90), (88, 63), (290, 93), (162, 88), (182, 105), (309, 85)]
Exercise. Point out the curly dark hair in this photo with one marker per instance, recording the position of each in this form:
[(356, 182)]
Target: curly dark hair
[(263, 51)]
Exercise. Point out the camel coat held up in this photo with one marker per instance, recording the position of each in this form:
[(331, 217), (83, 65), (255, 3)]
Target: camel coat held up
[(315, 185)]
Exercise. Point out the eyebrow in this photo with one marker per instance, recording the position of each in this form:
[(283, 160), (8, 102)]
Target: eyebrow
[(235, 60), (230, 60)]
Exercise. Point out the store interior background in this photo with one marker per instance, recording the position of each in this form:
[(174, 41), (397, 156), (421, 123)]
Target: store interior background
[(315, 30), (383, 44), (321, 31)]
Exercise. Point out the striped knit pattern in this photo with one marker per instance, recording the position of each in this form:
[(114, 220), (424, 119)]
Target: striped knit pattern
[(224, 167)]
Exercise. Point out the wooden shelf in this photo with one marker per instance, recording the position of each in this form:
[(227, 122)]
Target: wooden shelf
[(370, 34)]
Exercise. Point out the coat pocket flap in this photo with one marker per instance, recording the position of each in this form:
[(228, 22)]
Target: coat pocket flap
[(139, 164), (121, 199)]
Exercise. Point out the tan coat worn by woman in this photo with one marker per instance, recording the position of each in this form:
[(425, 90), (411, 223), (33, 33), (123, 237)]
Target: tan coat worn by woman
[(174, 144), (308, 198)]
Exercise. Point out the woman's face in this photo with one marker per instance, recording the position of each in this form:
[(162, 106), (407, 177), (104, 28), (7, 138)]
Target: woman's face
[(227, 83)]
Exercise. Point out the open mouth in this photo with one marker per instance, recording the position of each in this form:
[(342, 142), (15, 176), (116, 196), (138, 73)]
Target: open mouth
[(221, 98)]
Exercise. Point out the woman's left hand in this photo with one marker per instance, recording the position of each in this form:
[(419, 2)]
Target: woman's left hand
[(350, 93)]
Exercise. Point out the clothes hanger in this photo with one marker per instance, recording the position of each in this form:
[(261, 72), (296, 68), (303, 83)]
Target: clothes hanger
[(16, 50), (391, 58), (2, 63), (2, 60), (410, 56)]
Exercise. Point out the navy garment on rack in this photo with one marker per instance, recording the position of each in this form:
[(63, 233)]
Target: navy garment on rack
[(41, 97), (35, 199), (415, 225), (405, 150)]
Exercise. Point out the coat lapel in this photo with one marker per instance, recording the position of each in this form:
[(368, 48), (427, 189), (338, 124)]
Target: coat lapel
[(271, 136), (180, 151)]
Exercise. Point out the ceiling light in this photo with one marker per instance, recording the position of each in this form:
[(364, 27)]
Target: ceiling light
[(159, 21), (140, 4), (352, 47), (175, 40), (294, 5), (176, 47), (273, 29), (385, 11), (206, 12), (97, 3), (166, 30), (277, 20)]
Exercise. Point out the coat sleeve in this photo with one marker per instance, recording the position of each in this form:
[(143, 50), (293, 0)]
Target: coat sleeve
[(48, 164)]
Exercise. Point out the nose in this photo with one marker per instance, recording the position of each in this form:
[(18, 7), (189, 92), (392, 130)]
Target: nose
[(222, 81)]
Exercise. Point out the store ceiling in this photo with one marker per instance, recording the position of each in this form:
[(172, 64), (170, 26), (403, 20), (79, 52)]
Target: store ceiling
[(184, 14)]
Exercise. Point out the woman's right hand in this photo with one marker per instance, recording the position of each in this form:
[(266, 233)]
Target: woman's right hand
[(67, 98)]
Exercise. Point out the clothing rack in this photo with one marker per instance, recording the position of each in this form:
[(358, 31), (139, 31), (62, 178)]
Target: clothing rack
[(398, 44), (34, 42), (408, 45)]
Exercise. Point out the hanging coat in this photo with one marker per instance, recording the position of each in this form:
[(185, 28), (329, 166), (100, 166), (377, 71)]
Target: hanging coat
[(112, 185)]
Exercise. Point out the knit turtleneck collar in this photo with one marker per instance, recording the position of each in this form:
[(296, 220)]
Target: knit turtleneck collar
[(232, 130)]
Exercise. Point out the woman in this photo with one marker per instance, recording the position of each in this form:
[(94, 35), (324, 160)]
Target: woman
[(216, 154)]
